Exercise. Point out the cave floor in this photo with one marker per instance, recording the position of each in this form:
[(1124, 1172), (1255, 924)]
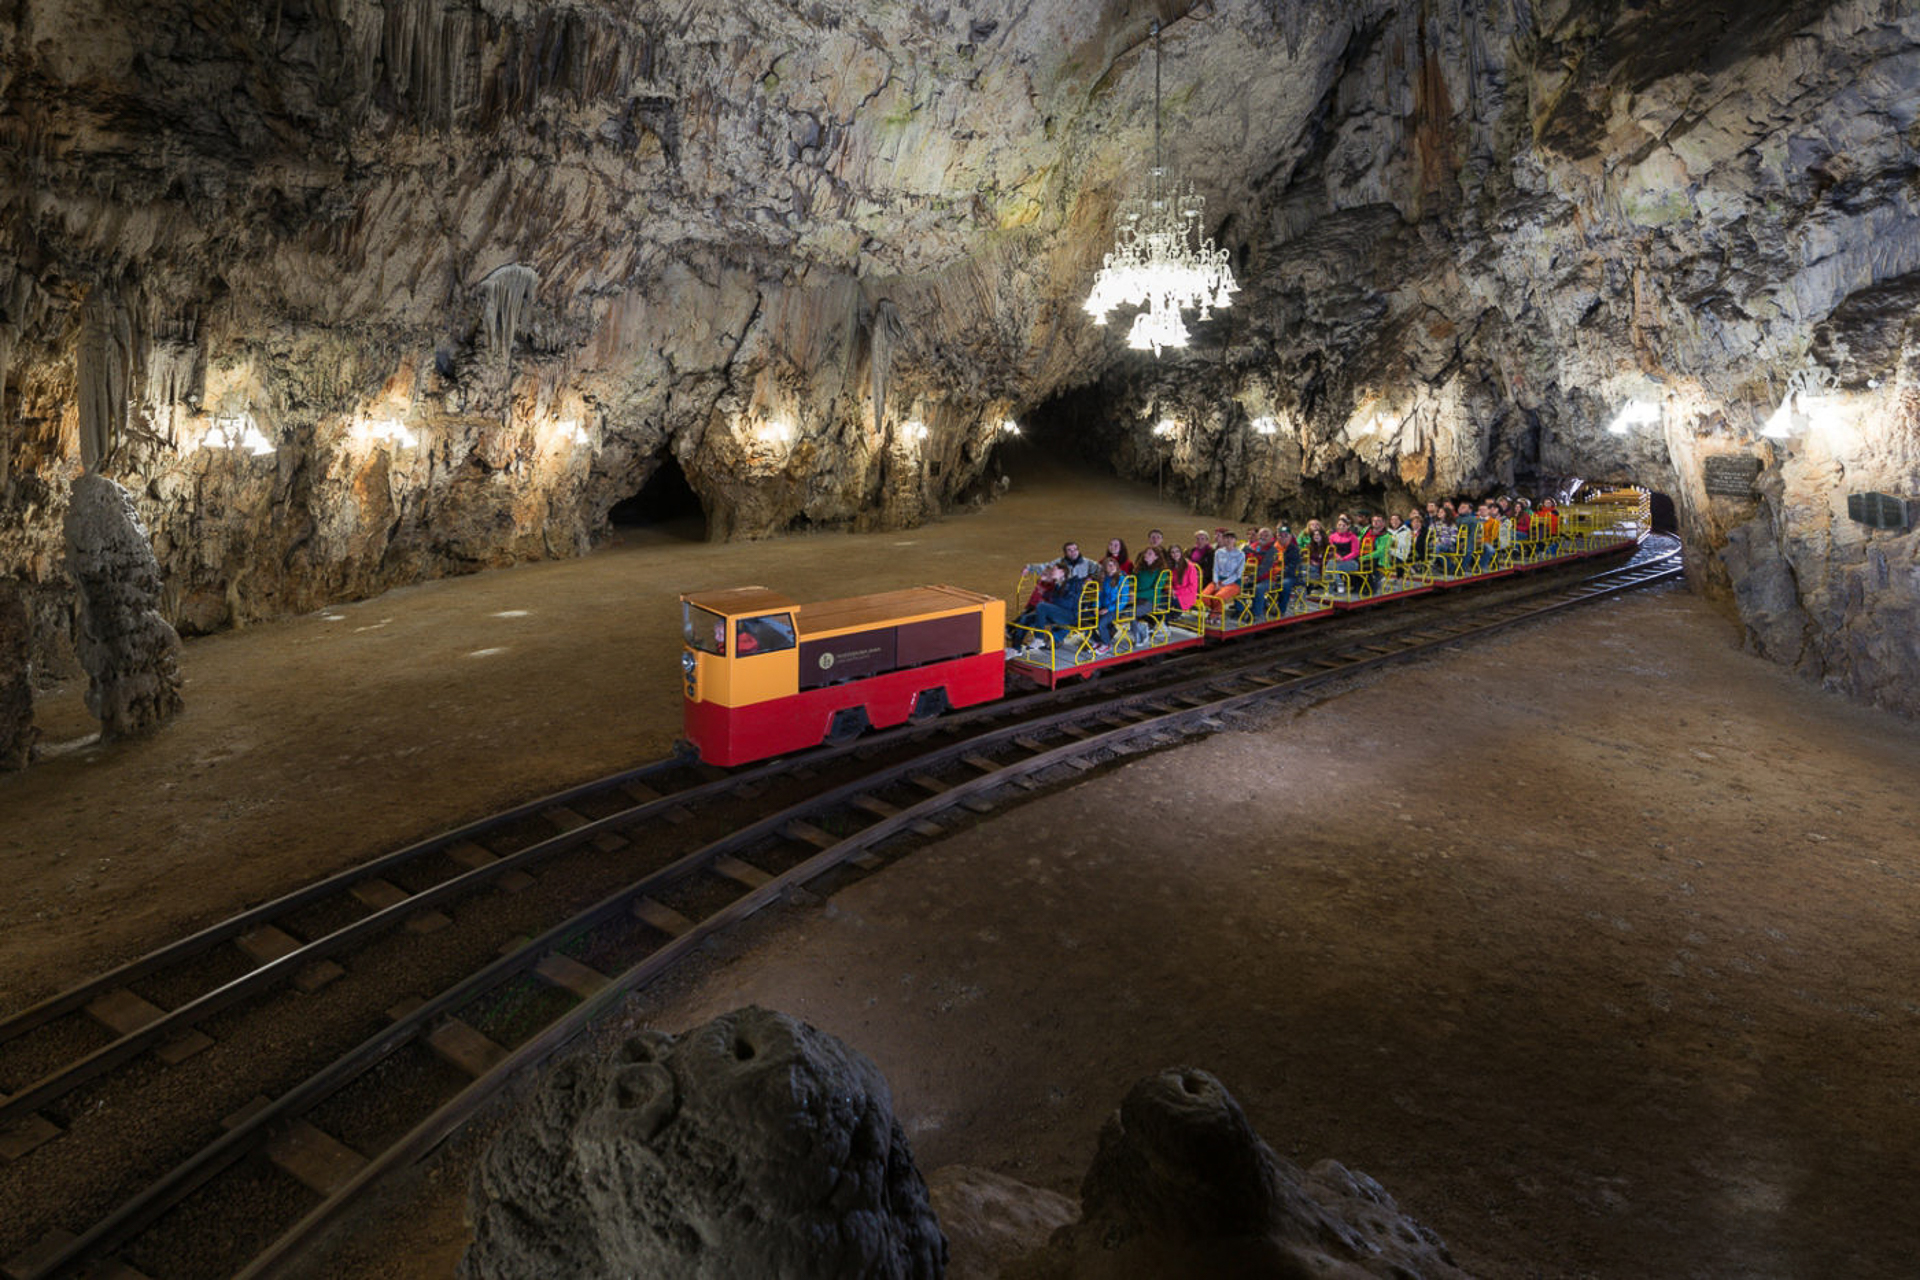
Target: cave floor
[(1592, 942)]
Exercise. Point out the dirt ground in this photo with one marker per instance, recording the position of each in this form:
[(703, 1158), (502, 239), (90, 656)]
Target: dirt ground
[(1593, 943)]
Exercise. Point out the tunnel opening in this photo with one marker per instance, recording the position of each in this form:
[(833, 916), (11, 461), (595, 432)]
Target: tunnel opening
[(1666, 518), (1072, 427), (667, 505)]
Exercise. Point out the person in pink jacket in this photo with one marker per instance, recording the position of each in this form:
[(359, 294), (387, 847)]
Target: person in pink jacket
[(1186, 578)]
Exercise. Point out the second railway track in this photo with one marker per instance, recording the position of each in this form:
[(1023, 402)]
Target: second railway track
[(206, 1109)]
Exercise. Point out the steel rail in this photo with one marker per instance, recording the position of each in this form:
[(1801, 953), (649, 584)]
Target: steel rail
[(451, 1116), (127, 1221)]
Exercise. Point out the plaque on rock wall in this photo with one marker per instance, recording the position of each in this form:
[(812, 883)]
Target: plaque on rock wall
[(1880, 510), (1731, 475)]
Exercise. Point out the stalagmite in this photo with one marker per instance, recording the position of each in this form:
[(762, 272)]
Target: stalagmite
[(130, 652)]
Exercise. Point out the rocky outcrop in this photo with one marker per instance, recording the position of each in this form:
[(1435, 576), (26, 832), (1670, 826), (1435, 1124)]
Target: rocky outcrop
[(16, 685), (400, 288), (1181, 1186), (130, 653), (751, 1146)]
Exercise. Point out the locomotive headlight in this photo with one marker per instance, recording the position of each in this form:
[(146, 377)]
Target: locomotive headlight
[(687, 667)]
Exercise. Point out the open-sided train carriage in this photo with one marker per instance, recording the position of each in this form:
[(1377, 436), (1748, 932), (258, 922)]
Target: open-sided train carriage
[(766, 675)]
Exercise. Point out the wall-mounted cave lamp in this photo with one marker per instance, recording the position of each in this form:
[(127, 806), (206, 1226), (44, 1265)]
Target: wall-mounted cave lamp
[(1009, 427), (234, 432), (388, 431), (775, 434), (914, 431), (1265, 425), (1810, 398), (569, 431), (1165, 428), (1634, 413)]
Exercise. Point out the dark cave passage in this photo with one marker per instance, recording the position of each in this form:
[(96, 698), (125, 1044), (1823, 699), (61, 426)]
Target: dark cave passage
[(666, 504)]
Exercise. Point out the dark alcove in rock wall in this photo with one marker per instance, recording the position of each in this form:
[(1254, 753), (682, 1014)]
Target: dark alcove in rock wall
[(666, 504)]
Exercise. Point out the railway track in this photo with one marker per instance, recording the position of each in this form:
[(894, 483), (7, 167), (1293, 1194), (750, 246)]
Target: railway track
[(278, 1064)]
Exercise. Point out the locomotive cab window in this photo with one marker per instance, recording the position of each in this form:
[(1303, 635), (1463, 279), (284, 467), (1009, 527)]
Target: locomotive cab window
[(769, 633), (704, 631)]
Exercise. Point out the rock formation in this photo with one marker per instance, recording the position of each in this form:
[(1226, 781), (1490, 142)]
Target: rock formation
[(751, 1146), (16, 687), (400, 288), (130, 653), (1181, 1186)]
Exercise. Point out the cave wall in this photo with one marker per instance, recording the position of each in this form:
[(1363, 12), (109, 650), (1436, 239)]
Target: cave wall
[(1500, 225), (818, 252)]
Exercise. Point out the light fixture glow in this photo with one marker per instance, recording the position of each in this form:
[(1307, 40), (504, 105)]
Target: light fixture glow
[(1266, 426), (1009, 428), (1165, 428), (569, 429), (915, 430), (388, 431), (1157, 259), (1634, 413), (236, 431), (775, 433)]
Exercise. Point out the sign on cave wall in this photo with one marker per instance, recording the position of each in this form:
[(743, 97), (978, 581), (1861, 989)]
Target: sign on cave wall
[(1880, 510), (1731, 475)]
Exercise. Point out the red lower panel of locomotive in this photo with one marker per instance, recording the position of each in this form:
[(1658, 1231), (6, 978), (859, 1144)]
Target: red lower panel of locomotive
[(736, 735)]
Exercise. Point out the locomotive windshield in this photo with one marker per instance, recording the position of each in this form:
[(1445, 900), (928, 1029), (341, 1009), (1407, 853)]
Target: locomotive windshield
[(703, 630), (763, 635)]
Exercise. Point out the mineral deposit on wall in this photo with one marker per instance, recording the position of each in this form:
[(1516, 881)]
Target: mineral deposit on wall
[(405, 289)]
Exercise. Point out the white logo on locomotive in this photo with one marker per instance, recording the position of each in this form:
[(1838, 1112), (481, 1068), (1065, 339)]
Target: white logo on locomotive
[(826, 661)]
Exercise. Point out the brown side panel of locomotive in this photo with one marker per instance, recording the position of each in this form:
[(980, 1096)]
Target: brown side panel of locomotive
[(853, 656), (937, 639), (878, 650)]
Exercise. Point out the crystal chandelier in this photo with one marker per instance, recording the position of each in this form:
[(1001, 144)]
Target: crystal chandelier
[(1155, 262)]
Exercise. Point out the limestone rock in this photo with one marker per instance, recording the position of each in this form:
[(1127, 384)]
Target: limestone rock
[(16, 685), (130, 653), (1181, 1186), (751, 1146), (991, 1221)]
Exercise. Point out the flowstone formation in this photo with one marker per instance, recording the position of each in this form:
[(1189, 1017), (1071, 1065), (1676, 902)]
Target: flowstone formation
[(751, 1146), (16, 689), (130, 653), (1182, 1186)]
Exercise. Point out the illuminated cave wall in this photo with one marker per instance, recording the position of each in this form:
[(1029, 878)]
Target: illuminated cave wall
[(818, 253)]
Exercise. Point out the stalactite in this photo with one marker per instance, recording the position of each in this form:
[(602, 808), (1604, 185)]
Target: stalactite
[(172, 363), (105, 357), (887, 331), (509, 294)]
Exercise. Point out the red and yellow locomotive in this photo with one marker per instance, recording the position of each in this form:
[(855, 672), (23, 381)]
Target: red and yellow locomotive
[(766, 675)]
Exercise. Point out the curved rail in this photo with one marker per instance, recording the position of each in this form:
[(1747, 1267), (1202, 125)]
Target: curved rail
[(1164, 712)]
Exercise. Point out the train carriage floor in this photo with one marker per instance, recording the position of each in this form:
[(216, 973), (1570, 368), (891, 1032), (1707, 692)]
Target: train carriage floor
[(1591, 941)]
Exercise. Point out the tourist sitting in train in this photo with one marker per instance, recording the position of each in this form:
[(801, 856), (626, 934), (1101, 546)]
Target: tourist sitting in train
[(1374, 553), (1116, 597), (1071, 562), (1289, 569), (1150, 578), (1117, 549), (1315, 550), (1419, 538), (1263, 557), (1228, 562), (1201, 555), (1400, 543), (1185, 577), (1343, 544)]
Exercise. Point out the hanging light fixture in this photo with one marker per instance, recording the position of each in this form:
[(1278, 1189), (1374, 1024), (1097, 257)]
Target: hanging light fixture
[(1158, 261)]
